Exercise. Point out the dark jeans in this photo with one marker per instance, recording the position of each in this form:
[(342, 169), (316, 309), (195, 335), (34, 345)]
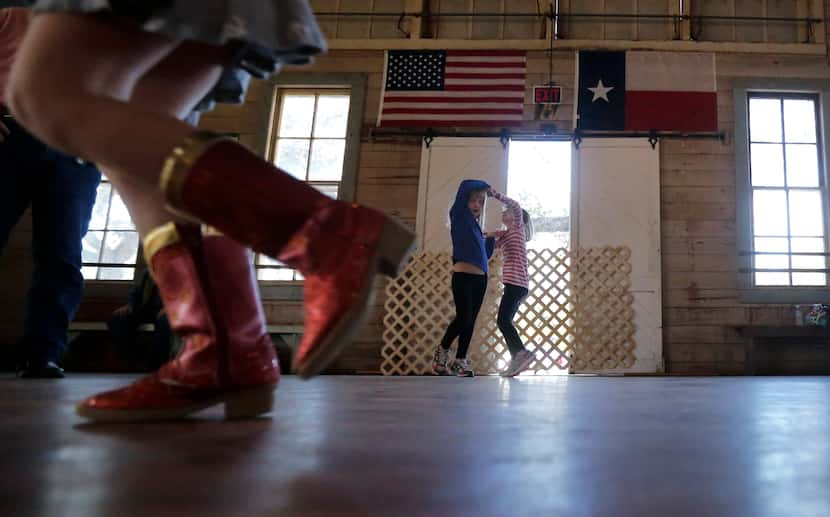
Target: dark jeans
[(467, 292), (510, 301), (61, 192)]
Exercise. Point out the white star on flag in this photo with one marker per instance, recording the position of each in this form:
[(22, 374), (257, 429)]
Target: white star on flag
[(601, 91)]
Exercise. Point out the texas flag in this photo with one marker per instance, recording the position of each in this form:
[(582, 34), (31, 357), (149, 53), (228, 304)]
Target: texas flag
[(645, 91)]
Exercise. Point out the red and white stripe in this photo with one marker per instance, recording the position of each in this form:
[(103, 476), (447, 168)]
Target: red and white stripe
[(513, 245), (481, 88)]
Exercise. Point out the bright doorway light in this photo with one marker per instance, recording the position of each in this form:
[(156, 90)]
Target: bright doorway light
[(539, 178)]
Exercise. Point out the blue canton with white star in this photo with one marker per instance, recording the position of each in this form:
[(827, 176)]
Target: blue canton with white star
[(413, 70), (601, 91)]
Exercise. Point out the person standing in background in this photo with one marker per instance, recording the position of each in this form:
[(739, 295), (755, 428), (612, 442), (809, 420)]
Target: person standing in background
[(60, 190)]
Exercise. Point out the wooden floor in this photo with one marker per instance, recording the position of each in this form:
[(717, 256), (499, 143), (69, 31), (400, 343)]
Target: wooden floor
[(578, 446)]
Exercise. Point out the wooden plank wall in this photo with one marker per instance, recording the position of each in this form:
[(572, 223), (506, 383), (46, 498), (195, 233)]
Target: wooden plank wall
[(751, 31), (644, 29), (360, 27), (699, 238)]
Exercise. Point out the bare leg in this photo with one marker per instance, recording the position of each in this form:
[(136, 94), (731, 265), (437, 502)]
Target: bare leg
[(118, 85), (172, 87)]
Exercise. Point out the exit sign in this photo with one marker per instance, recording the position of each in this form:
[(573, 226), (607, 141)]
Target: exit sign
[(547, 94)]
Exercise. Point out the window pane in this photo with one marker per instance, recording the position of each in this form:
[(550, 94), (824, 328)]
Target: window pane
[(809, 261), (273, 274), (119, 215), (802, 165), (767, 165), (116, 273), (765, 120), (806, 217), (772, 244), (99, 211), (772, 279), (91, 246), (326, 160), (296, 116), (332, 116), (329, 190), (772, 261), (120, 248), (769, 211), (265, 260), (809, 279), (89, 272), (776, 244), (800, 121), (292, 157)]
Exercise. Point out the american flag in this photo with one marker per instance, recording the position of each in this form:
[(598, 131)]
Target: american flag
[(453, 88)]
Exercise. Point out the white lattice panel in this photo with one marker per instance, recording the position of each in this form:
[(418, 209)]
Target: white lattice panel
[(419, 307), (603, 309), (580, 314)]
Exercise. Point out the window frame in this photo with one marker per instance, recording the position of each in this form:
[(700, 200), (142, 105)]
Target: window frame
[(742, 89), (100, 264), (355, 83), (275, 138)]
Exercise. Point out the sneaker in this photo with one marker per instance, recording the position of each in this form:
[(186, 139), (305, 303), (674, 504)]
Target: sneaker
[(439, 361), (461, 368), (518, 364), (40, 370)]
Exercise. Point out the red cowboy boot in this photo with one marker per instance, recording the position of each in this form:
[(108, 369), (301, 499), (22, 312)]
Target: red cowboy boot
[(338, 247), (212, 302)]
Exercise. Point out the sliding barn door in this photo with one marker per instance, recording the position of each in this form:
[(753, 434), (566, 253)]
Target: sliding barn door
[(617, 198), (444, 164)]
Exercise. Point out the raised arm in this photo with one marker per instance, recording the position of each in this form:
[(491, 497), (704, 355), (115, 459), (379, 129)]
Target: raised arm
[(512, 205)]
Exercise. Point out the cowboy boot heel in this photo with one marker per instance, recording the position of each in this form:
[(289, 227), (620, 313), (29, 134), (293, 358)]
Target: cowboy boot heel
[(249, 403), (394, 248)]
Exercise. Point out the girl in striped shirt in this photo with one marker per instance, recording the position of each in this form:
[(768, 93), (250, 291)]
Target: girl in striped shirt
[(512, 242)]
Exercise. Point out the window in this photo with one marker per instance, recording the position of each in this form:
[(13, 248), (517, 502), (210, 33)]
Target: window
[(111, 244), (788, 191), (781, 190), (309, 142)]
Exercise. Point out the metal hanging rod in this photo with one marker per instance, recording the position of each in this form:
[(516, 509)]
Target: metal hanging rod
[(784, 253), (505, 135), (565, 16), (112, 265), (746, 270), (552, 135)]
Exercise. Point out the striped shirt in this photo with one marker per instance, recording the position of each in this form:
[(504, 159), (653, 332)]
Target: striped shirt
[(513, 245)]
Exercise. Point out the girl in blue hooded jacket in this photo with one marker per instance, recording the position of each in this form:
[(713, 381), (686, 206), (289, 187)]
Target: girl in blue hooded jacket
[(470, 252)]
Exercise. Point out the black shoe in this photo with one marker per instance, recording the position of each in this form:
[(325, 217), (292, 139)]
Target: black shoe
[(47, 370)]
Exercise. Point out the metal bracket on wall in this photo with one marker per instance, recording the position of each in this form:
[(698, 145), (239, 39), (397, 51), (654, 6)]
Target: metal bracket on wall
[(652, 139), (428, 138), (577, 138)]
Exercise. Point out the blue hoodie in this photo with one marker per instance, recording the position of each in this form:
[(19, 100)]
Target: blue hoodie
[(468, 242)]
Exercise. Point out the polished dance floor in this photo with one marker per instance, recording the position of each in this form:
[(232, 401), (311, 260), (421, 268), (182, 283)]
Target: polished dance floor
[(354, 446)]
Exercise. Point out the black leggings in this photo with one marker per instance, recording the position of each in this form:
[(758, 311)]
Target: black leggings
[(468, 293), (513, 296)]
